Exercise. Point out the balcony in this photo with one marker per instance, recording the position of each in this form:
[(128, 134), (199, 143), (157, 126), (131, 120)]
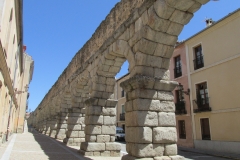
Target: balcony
[(177, 71), (122, 117), (180, 108), (198, 62), (201, 105)]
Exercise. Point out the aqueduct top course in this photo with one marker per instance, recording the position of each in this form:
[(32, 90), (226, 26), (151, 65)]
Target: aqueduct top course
[(79, 107)]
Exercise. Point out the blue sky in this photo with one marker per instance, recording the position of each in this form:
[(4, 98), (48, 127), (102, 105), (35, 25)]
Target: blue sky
[(54, 30)]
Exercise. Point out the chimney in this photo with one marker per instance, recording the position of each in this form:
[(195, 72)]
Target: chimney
[(209, 22), (24, 48)]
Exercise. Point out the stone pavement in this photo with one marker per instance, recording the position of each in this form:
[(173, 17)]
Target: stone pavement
[(32, 145), (35, 146), (215, 154)]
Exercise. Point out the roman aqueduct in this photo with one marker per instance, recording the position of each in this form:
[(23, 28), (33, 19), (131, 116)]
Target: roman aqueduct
[(79, 108)]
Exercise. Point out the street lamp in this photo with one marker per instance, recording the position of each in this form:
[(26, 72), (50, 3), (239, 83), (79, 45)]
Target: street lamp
[(181, 92)]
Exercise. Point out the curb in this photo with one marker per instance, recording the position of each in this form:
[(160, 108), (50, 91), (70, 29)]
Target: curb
[(215, 155)]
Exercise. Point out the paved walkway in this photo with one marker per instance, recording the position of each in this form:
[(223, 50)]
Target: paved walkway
[(35, 146), (32, 145)]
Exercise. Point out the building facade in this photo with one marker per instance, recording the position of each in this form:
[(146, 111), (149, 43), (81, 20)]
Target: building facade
[(120, 95), (213, 59), (179, 72), (14, 69)]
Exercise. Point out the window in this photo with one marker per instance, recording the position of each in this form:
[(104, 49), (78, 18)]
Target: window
[(122, 93), (202, 95), (180, 103), (178, 67), (205, 129), (181, 128), (123, 109), (198, 62)]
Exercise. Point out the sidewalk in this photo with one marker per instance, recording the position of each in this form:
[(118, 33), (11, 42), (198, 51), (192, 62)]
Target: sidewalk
[(35, 146), (212, 153)]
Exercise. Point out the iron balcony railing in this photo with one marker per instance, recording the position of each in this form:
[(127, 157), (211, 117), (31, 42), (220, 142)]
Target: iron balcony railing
[(202, 105), (180, 108), (122, 116), (198, 62), (177, 71)]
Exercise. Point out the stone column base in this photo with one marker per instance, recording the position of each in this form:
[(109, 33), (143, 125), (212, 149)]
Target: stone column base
[(53, 133), (177, 157), (100, 149)]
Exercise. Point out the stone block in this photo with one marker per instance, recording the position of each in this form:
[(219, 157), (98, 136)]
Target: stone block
[(159, 37), (155, 22), (141, 118), (103, 138), (142, 70), (170, 150), (93, 110), (164, 85), (148, 60), (195, 7), (181, 17), (160, 73), (115, 153), (146, 105), (74, 127), (90, 138), (174, 28), (144, 93), (147, 150), (167, 106), (164, 135), (165, 96), (145, 46), (81, 133), (177, 157), (91, 146), (109, 111), (184, 5), (128, 157), (162, 158), (166, 119), (163, 10), (82, 152), (72, 134), (203, 1), (111, 103), (109, 130), (113, 146), (78, 140), (107, 120), (163, 50), (112, 138), (105, 154), (96, 154), (98, 120), (138, 134), (129, 106), (93, 129)]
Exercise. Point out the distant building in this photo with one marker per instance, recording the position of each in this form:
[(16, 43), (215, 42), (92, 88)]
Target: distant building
[(120, 95), (16, 69)]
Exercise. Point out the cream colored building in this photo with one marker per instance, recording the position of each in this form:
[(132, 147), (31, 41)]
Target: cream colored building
[(213, 57), (13, 70), (120, 95)]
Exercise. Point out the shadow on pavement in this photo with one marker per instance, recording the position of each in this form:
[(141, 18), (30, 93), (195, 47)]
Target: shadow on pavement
[(54, 149)]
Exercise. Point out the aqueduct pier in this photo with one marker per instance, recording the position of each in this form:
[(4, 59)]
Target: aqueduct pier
[(79, 108)]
